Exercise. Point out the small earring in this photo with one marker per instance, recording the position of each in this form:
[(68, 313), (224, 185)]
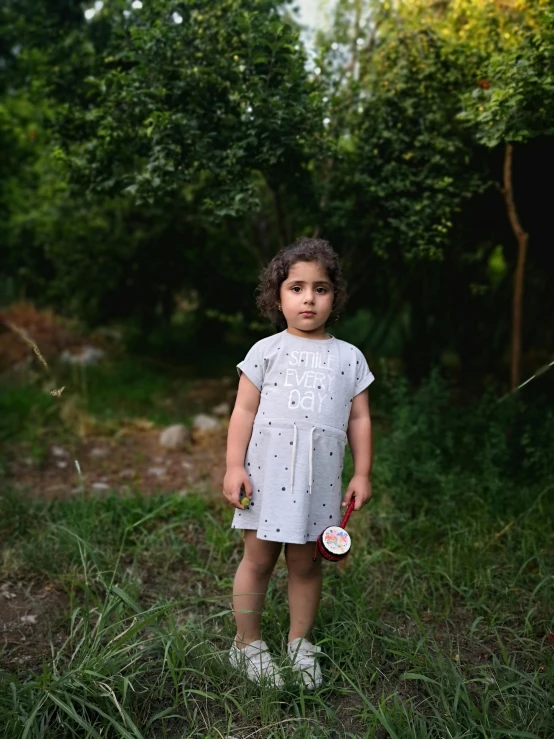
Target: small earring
[(280, 308)]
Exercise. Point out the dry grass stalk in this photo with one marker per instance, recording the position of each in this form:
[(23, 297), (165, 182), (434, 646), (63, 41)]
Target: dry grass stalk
[(30, 343), (27, 339)]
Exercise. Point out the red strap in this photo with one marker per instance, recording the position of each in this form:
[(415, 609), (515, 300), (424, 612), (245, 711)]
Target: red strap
[(347, 513)]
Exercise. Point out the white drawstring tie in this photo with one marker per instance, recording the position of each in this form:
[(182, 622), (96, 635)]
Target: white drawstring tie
[(310, 459), (293, 458)]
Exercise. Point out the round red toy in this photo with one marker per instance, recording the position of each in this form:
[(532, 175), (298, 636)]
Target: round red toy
[(334, 543)]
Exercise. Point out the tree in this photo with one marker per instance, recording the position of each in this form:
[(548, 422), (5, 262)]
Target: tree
[(156, 157), (196, 98), (170, 133), (513, 103), (407, 172)]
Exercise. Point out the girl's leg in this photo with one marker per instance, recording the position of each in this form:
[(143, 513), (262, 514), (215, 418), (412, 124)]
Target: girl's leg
[(250, 586), (305, 579)]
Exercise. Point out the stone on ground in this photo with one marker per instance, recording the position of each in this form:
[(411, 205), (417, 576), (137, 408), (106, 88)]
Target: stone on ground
[(203, 422), (175, 437), (223, 409)]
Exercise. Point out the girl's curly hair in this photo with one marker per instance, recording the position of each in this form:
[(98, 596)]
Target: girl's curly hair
[(271, 278)]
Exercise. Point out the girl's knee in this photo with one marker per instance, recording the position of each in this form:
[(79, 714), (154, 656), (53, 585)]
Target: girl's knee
[(300, 560), (260, 556), (259, 566)]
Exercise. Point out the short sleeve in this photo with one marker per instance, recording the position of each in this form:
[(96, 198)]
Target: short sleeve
[(364, 376), (253, 366)]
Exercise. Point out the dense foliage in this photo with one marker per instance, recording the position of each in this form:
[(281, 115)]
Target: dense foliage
[(154, 157)]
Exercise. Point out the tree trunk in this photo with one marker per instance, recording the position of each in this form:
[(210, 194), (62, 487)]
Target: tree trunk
[(522, 238)]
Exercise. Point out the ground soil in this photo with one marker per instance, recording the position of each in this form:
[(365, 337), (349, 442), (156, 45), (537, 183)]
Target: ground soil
[(130, 461), (33, 614), (130, 458)]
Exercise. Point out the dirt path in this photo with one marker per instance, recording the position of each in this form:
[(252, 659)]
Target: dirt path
[(33, 611), (133, 461), (130, 457)]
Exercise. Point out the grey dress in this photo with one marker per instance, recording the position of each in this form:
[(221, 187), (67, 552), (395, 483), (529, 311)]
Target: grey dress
[(295, 455)]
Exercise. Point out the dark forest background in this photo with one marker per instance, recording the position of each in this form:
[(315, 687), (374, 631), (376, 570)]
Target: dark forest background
[(153, 159)]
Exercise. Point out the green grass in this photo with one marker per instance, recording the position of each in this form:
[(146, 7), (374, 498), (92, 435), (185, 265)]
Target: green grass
[(441, 625), (436, 628), (111, 394), (26, 413), (129, 388)]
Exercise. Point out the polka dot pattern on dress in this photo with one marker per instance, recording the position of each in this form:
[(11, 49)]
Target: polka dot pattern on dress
[(292, 389)]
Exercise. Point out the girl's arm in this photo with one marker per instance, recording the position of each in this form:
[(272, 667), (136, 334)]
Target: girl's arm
[(360, 441), (238, 436)]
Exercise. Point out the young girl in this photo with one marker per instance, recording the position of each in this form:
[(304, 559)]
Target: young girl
[(302, 394)]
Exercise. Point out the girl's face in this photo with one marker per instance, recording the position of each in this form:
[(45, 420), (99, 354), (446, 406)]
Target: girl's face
[(307, 299)]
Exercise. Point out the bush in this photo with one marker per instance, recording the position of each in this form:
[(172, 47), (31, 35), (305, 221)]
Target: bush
[(439, 451)]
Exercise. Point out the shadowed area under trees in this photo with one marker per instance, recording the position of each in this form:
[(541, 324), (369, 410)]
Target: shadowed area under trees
[(152, 162), (153, 157)]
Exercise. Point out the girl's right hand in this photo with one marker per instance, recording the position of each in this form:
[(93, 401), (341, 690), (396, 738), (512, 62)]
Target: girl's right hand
[(235, 479)]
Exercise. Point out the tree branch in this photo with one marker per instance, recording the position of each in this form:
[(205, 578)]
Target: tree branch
[(522, 238)]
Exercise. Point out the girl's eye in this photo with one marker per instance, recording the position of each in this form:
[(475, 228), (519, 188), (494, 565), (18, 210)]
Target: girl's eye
[(297, 287)]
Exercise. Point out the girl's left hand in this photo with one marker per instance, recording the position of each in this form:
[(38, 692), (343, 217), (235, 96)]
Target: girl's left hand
[(359, 487)]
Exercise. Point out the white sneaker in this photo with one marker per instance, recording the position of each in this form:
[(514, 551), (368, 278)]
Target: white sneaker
[(302, 654), (256, 660)]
